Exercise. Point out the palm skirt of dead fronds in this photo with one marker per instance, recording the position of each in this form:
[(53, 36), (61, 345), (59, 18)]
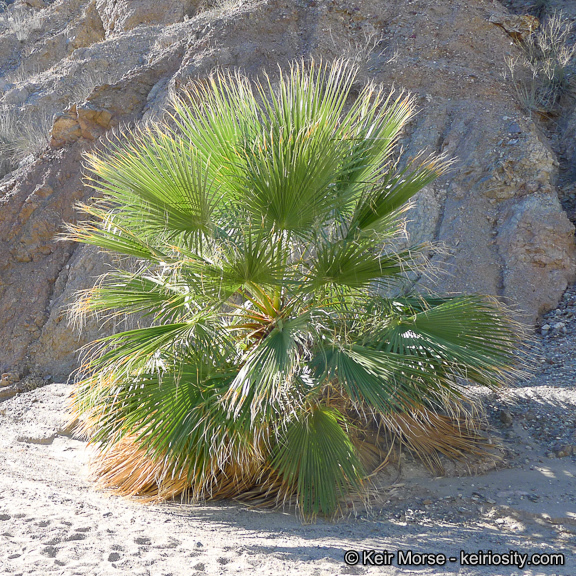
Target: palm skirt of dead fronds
[(261, 242), (128, 470)]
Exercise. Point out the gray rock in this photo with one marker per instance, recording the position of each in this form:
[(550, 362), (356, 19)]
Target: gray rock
[(8, 379), (8, 392), (563, 451), (123, 15), (506, 417), (36, 438), (4, 85)]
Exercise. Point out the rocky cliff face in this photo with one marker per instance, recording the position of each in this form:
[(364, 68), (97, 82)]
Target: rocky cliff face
[(90, 66)]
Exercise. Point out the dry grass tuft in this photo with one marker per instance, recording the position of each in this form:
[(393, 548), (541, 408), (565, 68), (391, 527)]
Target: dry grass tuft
[(539, 73), (21, 135), (20, 21)]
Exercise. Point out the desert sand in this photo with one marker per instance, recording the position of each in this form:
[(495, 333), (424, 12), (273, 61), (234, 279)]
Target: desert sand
[(54, 521)]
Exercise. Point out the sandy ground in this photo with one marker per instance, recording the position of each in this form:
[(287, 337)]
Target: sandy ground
[(53, 521)]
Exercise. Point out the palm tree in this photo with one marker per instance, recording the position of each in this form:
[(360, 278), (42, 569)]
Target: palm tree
[(259, 234)]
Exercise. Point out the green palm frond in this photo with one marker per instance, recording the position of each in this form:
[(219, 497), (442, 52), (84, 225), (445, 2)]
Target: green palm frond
[(373, 126), (147, 295), (470, 337), (141, 347), (269, 379), (381, 206), (109, 235), (356, 264), (179, 423), (384, 381), (158, 174), (218, 115), (289, 176), (315, 454)]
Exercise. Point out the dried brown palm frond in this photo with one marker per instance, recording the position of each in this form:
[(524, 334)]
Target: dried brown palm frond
[(129, 470), (429, 435), (454, 430)]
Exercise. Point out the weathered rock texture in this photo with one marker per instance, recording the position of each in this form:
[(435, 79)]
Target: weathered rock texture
[(100, 64), (123, 15)]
